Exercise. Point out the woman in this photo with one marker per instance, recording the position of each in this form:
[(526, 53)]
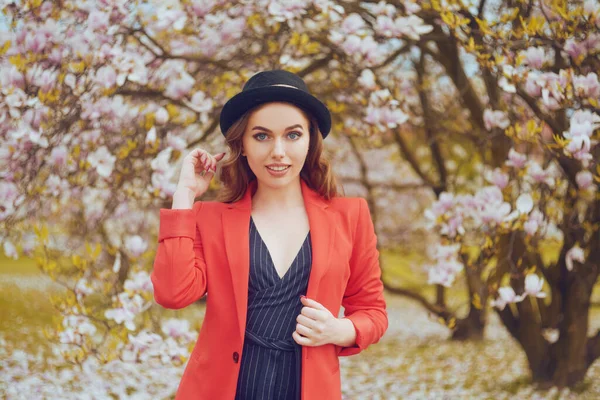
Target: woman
[(278, 231)]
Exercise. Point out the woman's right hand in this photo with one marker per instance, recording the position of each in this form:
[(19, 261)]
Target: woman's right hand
[(197, 170)]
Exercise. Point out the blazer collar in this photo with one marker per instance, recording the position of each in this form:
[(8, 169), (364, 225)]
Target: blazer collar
[(236, 225)]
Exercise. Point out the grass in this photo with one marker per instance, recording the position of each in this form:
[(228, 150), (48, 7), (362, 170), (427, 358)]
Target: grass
[(414, 360)]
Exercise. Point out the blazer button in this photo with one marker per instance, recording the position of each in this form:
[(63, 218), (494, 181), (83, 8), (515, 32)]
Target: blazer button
[(236, 356)]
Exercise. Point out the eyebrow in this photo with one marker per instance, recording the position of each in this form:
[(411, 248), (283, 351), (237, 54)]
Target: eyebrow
[(270, 131)]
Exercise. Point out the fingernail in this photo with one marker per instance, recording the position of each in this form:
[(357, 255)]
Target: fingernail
[(302, 296)]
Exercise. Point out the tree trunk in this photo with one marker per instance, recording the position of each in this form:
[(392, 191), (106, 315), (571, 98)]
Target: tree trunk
[(565, 362), (472, 327)]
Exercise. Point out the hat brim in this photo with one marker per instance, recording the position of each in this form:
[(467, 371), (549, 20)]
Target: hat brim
[(244, 101)]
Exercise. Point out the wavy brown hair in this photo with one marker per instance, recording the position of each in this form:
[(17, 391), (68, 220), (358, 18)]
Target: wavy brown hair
[(235, 173)]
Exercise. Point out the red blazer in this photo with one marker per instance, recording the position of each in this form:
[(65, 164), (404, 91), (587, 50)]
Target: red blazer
[(206, 249)]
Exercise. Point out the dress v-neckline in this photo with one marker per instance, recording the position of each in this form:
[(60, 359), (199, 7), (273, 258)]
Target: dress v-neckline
[(271, 262)]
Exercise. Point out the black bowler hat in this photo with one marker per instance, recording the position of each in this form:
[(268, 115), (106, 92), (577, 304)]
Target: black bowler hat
[(274, 85)]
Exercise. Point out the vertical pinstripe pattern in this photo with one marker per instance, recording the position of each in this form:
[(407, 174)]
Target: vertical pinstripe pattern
[(271, 359)]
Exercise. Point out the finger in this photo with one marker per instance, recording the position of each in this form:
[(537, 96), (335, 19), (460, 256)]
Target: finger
[(304, 330), (300, 340), (206, 161), (304, 320), (312, 303), (208, 174), (197, 157), (220, 156), (197, 153), (213, 163), (310, 313)]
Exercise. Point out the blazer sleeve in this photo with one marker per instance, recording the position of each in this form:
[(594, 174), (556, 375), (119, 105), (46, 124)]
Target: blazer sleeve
[(364, 303), (179, 273)]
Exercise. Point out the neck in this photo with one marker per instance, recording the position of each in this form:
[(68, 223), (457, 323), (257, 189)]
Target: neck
[(286, 197)]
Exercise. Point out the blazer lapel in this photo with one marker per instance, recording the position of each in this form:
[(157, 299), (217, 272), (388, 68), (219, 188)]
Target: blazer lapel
[(322, 234), (236, 225)]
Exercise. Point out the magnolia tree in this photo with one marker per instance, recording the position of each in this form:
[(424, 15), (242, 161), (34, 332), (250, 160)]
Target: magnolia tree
[(533, 216), (100, 100)]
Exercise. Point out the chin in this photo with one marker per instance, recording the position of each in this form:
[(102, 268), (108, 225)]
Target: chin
[(273, 181)]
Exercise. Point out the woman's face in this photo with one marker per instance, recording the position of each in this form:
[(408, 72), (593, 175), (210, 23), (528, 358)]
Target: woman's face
[(275, 143)]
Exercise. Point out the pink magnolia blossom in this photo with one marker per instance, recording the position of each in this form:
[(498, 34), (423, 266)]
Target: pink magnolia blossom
[(535, 221), (284, 10), (584, 179), (200, 102), (411, 26), (164, 183), (9, 195), (506, 295), (176, 328), (180, 86), (491, 209), (498, 178), (103, 161), (176, 142), (161, 116), (441, 206), (367, 79), (83, 288), (587, 86), (55, 185), (106, 76), (534, 57), (533, 286), (524, 203), (10, 250), (551, 334), (536, 174), (98, 20), (383, 8), (446, 266), (532, 86), (203, 7), (151, 135), (583, 124), (136, 245), (58, 156), (515, 159), (495, 118), (575, 49), (11, 77), (140, 280), (353, 23), (575, 253)]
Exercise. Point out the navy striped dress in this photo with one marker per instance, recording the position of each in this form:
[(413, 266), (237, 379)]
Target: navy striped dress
[(271, 360)]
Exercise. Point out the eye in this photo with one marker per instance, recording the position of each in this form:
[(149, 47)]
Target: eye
[(298, 134), (259, 134)]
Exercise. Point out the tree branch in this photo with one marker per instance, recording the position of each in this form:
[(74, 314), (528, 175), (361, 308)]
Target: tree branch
[(441, 312), (412, 159), (429, 129)]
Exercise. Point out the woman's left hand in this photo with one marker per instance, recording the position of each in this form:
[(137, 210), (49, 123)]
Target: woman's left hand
[(316, 325)]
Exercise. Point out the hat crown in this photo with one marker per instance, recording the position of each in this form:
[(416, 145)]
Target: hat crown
[(277, 77), (274, 86)]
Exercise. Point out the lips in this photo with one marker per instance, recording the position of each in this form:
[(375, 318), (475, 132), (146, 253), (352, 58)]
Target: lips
[(278, 167)]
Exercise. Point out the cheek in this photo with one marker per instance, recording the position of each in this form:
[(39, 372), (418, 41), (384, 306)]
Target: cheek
[(300, 153)]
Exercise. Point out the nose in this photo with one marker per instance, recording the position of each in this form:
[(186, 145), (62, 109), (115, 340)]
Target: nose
[(278, 148)]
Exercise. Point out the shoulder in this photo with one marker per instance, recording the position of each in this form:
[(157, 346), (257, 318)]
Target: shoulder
[(354, 208), (348, 203)]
